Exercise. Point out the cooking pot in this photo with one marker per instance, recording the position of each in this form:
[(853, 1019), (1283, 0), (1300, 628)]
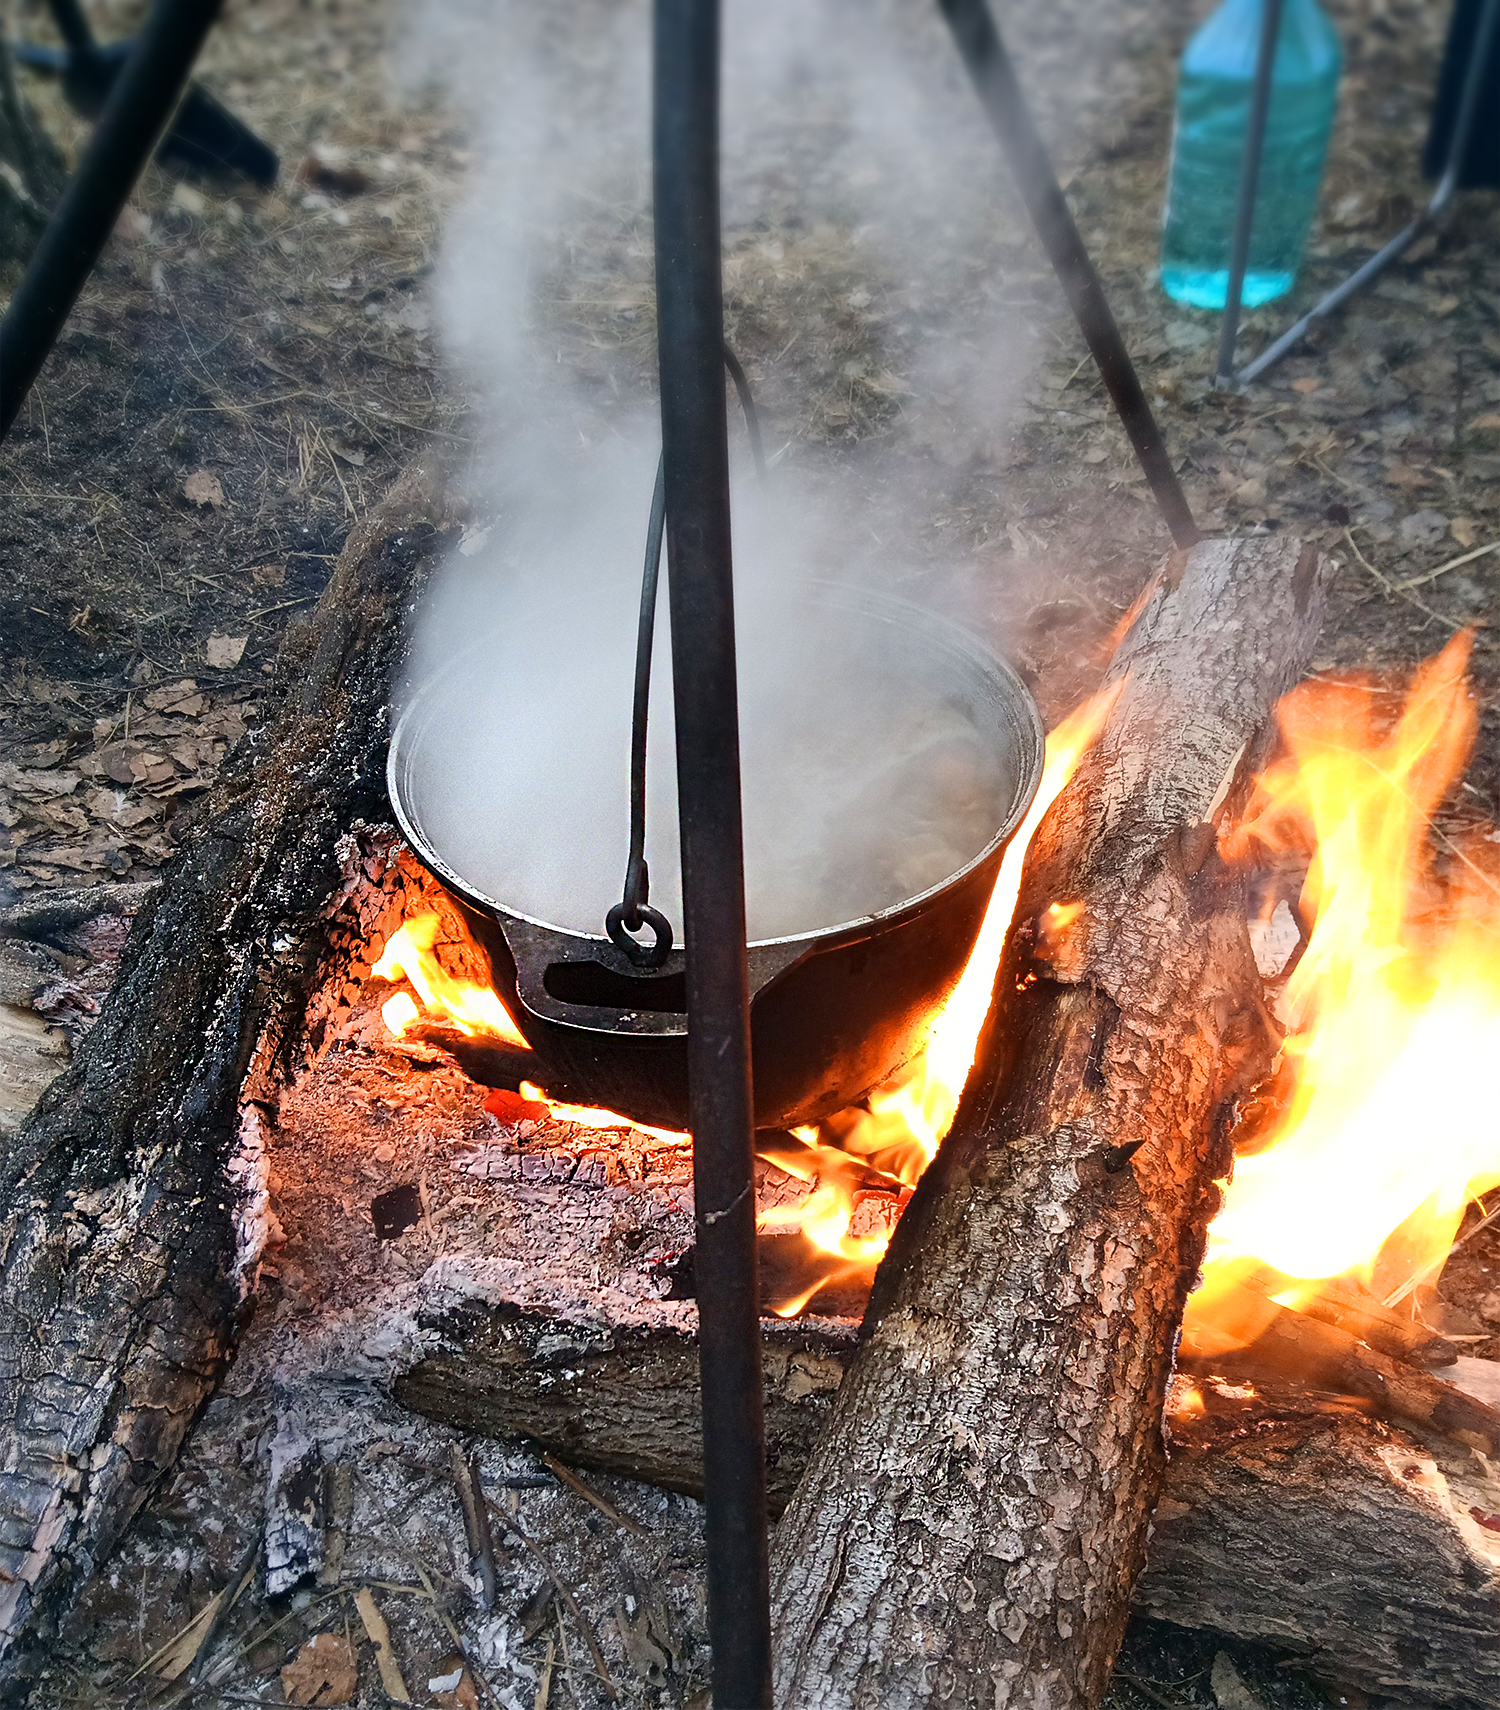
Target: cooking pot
[(835, 1010)]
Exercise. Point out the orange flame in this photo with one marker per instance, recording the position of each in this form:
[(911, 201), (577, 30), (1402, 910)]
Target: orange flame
[(597, 1118), (899, 1135), (883, 1148), (471, 1007), (1387, 1127)]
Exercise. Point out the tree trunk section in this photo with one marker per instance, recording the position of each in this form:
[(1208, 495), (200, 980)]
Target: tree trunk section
[(975, 1515), (1372, 1553), (132, 1203)]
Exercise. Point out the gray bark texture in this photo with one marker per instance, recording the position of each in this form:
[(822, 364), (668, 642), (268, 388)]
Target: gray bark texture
[(131, 1200), (976, 1513), (1373, 1553)]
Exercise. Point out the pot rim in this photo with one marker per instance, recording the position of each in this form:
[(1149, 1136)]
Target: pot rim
[(888, 606)]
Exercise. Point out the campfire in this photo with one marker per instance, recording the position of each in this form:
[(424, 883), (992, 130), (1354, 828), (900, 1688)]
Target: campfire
[(860, 1165), (1353, 1167), (1108, 1046), (1360, 1160)]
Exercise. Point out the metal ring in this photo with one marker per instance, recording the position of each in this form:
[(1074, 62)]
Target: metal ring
[(643, 955)]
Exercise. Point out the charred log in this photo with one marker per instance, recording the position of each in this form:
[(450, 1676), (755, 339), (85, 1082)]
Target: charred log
[(1306, 1524), (1372, 1553), (973, 1520), (129, 1202), (1325, 1356)]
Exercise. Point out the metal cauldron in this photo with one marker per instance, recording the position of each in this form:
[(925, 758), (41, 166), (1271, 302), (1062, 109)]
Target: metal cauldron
[(834, 1012)]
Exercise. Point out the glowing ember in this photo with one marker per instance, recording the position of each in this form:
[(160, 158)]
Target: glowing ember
[(1385, 1125), (471, 1007), (594, 1116)]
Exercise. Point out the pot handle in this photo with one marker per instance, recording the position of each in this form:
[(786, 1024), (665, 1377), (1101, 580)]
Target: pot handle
[(579, 981)]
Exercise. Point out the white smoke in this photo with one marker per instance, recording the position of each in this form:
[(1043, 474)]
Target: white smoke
[(856, 170)]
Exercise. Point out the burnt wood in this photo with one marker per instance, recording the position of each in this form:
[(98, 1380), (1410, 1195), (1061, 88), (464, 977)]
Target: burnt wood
[(974, 1517), (1371, 1552), (131, 1201)]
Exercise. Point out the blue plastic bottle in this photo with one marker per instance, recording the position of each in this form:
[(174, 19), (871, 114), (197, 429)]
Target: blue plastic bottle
[(1213, 110)]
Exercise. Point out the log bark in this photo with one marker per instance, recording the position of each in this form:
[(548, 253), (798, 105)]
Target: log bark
[(1372, 1553), (133, 1200), (973, 1520)]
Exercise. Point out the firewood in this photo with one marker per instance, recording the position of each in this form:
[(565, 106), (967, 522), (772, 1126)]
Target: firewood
[(974, 1517), (1368, 1319), (132, 1201), (1325, 1356), (1372, 1553), (1303, 1523), (531, 1311)]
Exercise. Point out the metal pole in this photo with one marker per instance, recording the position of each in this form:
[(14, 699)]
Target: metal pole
[(690, 334), (135, 115), (1244, 208), (1458, 146), (73, 25), (994, 78)]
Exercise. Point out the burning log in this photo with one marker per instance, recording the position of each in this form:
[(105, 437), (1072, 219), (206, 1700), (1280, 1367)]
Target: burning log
[(1325, 1356), (1374, 1554), (132, 1202), (976, 1513), (1282, 1518), (560, 1331)]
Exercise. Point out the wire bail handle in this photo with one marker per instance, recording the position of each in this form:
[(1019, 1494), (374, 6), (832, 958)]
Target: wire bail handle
[(633, 911)]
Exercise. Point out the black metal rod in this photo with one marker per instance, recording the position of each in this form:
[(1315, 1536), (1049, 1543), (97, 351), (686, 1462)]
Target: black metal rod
[(134, 117), (994, 78), (747, 406), (1463, 129), (1244, 207), (690, 335), (73, 25)]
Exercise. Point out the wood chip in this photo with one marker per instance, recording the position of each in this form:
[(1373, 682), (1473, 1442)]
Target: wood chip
[(544, 1679), (177, 1657), (202, 488), (380, 1637), (224, 652), (322, 1672)]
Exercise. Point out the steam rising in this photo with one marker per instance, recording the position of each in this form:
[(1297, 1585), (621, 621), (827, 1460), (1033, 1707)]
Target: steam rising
[(875, 762)]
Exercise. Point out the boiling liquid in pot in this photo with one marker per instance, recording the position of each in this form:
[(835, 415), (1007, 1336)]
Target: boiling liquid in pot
[(873, 766)]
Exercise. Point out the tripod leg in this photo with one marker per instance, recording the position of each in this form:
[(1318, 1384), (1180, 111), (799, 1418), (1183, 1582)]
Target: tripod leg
[(994, 78), (136, 113)]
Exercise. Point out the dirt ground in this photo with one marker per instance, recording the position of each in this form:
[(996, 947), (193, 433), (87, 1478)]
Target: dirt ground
[(248, 371)]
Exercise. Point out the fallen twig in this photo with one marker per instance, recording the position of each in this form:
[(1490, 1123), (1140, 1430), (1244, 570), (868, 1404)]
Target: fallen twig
[(476, 1525), (564, 1591), (1443, 569), (1391, 590), (607, 1509)]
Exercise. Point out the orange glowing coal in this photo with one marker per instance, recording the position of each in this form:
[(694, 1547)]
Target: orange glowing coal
[(1384, 1125), (471, 1007)]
